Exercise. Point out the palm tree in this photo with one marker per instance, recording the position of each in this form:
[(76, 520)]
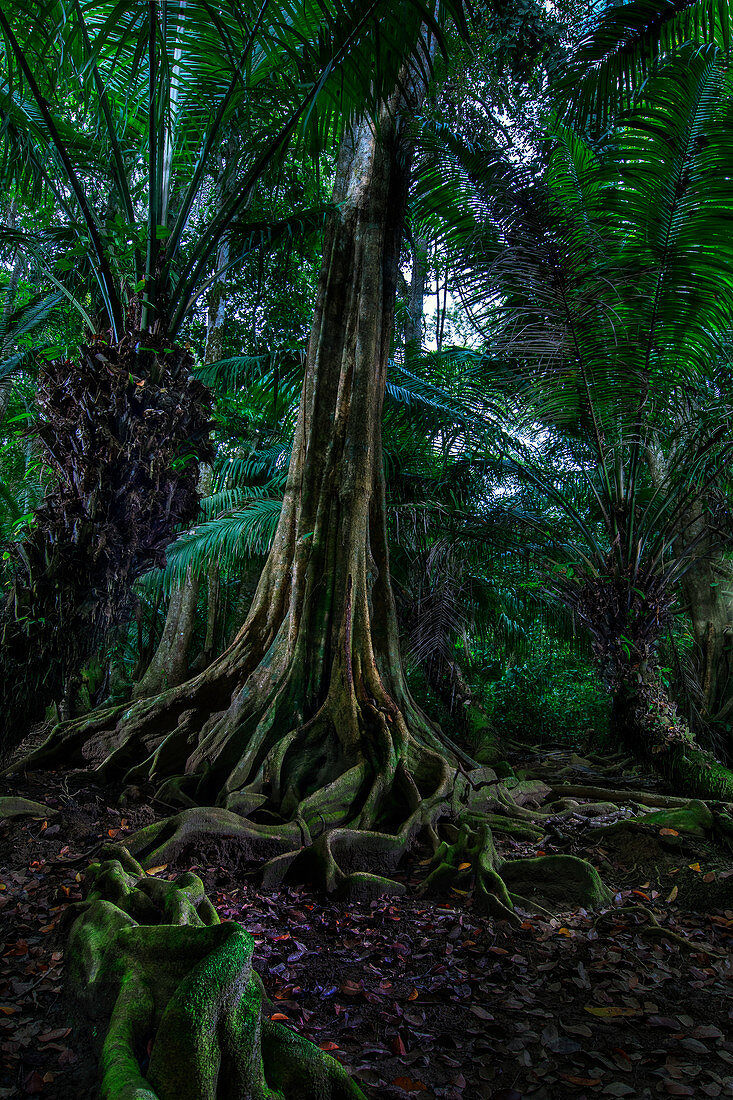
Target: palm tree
[(608, 283), (118, 115)]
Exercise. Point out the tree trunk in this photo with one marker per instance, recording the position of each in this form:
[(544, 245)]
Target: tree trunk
[(217, 313), (704, 589), (706, 597), (169, 666), (247, 587), (213, 601), (646, 721), (307, 716), (122, 431), (416, 299)]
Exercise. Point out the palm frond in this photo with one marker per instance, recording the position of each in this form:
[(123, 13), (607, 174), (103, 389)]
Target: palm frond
[(228, 538)]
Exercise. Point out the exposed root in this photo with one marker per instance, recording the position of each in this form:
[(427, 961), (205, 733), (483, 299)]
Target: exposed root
[(641, 798), (152, 960), (695, 818), (472, 859), (342, 862), (164, 841), (520, 830), (11, 806), (654, 930)]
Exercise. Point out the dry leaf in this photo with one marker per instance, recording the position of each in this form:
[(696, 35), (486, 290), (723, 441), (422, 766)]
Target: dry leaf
[(610, 1010), (55, 1035)]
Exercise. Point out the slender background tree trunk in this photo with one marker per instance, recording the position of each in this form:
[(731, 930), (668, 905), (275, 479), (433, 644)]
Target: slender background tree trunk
[(416, 298), (169, 665), (705, 588)]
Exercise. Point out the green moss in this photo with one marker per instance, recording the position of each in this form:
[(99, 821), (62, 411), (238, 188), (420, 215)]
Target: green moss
[(522, 830), (472, 857), (477, 722), (694, 818), (701, 775), (564, 882), (186, 981), (10, 807)]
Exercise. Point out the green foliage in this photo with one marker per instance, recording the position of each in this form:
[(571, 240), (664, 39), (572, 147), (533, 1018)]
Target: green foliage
[(554, 697), (621, 46), (229, 538), (119, 114), (600, 283)]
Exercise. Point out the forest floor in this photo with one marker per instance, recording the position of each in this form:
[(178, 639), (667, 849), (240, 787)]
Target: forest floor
[(419, 997)]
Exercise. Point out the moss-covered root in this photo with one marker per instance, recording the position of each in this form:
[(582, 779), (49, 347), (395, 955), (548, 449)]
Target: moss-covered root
[(152, 960), (698, 773), (10, 807), (560, 882), (472, 858), (343, 862), (695, 818), (165, 840)]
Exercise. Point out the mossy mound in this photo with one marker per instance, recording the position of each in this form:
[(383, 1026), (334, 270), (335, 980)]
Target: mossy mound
[(151, 958), (695, 818), (700, 774), (561, 881)]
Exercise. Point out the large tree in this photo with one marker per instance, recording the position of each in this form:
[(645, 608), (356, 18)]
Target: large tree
[(118, 112), (306, 719)]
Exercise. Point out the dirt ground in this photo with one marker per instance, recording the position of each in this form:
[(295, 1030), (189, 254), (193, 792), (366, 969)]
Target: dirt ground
[(419, 997)]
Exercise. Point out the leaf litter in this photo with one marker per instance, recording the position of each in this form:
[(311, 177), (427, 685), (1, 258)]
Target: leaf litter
[(418, 997)]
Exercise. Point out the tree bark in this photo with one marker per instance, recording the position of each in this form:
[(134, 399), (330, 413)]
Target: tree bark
[(122, 430), (169, 666), (646, 721), (217, 312), (213, 602), (416, 299)]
